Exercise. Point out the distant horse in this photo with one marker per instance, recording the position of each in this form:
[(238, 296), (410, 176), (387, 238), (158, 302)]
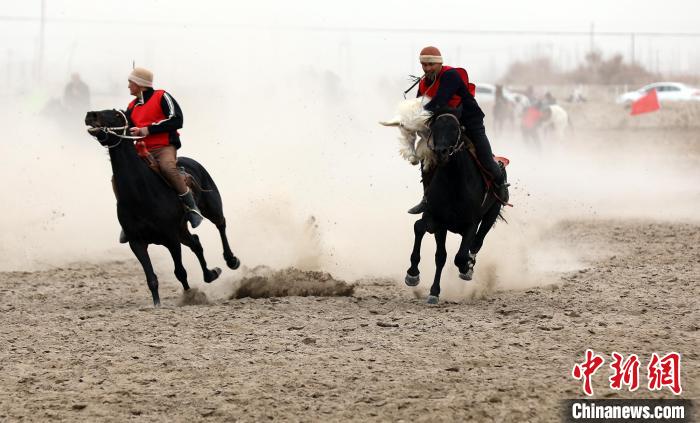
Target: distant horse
[(458, 201), (555, 122), (545, 122), (149, 210)]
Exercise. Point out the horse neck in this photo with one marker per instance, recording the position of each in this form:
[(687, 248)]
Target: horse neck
[(464, 172), (132, 176)]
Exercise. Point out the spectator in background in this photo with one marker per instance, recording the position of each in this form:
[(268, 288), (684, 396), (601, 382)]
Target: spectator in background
[(76, 96), (548, 100)]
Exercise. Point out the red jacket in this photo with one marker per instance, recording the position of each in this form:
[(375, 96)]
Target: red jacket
[(431, 90), (143, 115)]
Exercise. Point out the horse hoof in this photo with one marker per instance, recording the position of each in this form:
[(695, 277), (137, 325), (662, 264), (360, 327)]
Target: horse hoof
[(412, 280), (467, 276), (213, 275), (432, 299), (233, 263)]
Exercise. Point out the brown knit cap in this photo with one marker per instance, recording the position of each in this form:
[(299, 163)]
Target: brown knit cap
[(430, 54)]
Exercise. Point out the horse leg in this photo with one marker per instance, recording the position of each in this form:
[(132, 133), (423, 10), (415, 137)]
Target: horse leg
[(485, 226), (192, 241), (180, 272), (413, 274), (464, 260), (140, 250), (440, 259), (212, 208), (231, 261)]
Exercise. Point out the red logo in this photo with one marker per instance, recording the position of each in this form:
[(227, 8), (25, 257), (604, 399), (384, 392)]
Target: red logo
[(625, 372), (665, 371), (587, 369), (662, 371)]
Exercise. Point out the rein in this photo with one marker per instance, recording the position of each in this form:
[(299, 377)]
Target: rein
[(112, 131), (460, 144)]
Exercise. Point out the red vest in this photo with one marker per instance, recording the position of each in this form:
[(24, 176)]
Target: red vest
[(149, 113), (431, 90)]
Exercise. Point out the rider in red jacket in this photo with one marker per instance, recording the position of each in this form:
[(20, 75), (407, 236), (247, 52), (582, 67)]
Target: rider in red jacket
[(156, 116), (447, 86)]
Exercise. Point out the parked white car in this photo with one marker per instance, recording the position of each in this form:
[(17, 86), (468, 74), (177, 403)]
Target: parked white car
[(486, 93), (665, 91)]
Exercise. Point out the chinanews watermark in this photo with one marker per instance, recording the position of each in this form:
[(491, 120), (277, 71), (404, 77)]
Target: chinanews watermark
[(662, 373)]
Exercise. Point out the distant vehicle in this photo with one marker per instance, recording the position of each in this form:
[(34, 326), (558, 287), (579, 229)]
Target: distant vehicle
[(665, 91), (486, 93)]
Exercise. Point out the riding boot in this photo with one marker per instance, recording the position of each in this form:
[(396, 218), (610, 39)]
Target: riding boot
[(191, 209), (501, 186), (122, 237), (427, 177), (420, 207)]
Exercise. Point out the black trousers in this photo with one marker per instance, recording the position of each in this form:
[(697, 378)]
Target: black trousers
[(476, 132)]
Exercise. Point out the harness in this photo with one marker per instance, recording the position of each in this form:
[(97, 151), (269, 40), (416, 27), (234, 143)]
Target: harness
[(455, 148), (464, 142), (112, 131)]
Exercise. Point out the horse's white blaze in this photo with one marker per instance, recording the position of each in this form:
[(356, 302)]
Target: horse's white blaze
[(413, 143)]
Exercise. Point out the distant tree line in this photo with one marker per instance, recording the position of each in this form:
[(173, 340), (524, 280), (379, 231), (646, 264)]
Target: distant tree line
[(594, 70)]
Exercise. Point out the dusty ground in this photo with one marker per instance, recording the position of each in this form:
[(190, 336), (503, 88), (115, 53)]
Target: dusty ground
[(81, 343)]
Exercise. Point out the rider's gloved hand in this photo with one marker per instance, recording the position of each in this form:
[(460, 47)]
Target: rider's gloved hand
[(138, 132)]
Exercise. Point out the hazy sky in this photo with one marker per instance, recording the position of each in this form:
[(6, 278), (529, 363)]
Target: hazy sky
[(95, 36), (619, 15)]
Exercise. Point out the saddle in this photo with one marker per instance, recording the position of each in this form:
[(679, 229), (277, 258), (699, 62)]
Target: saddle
[(151, 162), (485, 174)]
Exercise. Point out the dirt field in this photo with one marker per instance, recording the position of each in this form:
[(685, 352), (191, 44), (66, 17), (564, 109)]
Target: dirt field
[(82, 342)]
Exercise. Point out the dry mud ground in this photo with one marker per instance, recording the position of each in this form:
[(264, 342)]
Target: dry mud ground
[(81, 343)]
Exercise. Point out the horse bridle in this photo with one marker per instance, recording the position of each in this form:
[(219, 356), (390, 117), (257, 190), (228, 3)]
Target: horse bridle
[(460, 141), (112, 131)]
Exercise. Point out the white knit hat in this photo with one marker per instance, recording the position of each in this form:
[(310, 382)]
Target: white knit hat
[(141, 77)]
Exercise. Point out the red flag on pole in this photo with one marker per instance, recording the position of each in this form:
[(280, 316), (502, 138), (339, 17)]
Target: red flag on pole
[(646, 104)]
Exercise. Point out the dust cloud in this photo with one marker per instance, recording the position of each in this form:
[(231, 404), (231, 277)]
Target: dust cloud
[(308, 178)]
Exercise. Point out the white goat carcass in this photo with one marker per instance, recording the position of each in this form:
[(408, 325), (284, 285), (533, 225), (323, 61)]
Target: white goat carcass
[(410, 119)]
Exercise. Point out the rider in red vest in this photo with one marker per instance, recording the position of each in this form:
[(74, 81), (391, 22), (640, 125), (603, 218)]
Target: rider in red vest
[(156, 116), (447, 86)]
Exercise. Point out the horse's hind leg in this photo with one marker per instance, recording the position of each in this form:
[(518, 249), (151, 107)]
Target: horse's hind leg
[(180, 272), (440, 259), (140, 251), (192, 241), (212, 209), (464, 260), (484, 227), (413, 274), (231, 261)]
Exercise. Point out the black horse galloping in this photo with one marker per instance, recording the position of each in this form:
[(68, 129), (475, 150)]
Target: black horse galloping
[(149, 210), (458, 201)]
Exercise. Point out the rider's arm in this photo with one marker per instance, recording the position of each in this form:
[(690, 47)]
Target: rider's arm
[(173, 116), (450, 84)]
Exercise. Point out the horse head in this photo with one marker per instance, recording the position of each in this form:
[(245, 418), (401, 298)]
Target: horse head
[(106, 125), (445, 133)]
